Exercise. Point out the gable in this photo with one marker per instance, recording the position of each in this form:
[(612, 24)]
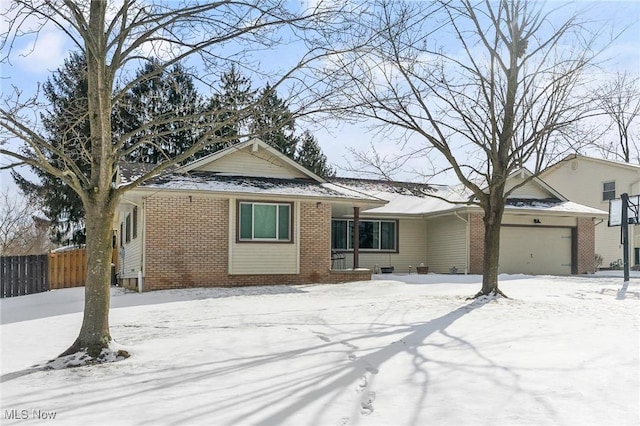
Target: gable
[(252, 158), (532, 189), (246, 162)]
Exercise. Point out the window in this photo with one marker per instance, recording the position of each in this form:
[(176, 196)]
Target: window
[(375, 235), (127, 227), (121, 234), (264, 222), (135, 222), (608, 191)]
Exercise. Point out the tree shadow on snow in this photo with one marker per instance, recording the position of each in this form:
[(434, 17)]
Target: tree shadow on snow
[(361, 372), (329, 379)]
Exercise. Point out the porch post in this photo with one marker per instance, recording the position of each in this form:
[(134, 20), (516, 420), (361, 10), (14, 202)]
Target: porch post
[(356, 237)]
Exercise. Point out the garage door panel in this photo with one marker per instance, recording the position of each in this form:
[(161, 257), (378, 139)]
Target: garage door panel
[(535, 250)]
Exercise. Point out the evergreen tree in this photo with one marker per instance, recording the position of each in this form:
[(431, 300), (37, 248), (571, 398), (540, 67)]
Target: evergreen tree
[(66, 91), (273, 122), (310, 156), (169, 99), (229, 110)]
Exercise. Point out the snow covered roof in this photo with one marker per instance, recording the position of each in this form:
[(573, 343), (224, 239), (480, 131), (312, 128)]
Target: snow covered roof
[(389, 198), (215, 182), (420, 199)]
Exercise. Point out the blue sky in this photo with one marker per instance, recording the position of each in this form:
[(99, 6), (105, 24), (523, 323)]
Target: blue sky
[(33, 63)]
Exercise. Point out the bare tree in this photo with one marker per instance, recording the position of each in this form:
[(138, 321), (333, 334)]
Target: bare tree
[(619, 101), (21, 232), (487, 85), (115, 37)]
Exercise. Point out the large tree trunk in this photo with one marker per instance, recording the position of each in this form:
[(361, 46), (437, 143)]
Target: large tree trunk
[(493, 212), (94, 333), (99, 198)]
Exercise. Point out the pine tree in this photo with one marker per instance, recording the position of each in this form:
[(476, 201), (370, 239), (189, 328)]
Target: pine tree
[(310, 156), (273, 122), (228, 110), (167, 97), (66, 91)]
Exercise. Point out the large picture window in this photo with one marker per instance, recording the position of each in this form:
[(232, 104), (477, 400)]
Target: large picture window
[(375, 235), (264, 222)]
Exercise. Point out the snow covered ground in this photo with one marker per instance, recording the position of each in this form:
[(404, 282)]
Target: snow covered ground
[(399, 350)]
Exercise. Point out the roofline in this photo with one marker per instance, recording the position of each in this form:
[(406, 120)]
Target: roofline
[(255, 142), (577, 156), (249, 195), (472, 208)]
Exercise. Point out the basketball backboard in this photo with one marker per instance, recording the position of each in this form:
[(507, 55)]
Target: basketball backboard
[(615, 211)]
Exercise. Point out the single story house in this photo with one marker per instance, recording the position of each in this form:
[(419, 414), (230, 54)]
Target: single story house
[(249, 215)]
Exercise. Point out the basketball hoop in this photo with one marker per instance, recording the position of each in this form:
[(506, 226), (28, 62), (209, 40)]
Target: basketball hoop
[(633, 211)]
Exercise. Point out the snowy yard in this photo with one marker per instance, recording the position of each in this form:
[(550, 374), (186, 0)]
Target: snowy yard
[(399, 350)]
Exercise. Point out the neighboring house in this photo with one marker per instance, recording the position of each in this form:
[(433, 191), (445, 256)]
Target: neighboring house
[(593, 182), (249, 215)]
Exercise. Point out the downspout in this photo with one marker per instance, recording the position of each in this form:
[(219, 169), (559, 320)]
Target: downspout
[(467, 242)]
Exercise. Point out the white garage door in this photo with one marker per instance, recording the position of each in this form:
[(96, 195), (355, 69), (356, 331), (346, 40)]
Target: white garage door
[(528, 250)]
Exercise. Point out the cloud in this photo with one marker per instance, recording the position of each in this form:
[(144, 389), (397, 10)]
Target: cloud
[(43, 54)]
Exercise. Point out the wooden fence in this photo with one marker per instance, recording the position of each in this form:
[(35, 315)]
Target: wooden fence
[(20, 275), (67, 268)]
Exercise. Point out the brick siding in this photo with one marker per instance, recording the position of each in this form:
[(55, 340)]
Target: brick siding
[(585, 255), (187, 245), (476, 243)]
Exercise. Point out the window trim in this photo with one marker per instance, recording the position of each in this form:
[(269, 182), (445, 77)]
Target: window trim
[(604, 192), (366, 250), (265, 240)]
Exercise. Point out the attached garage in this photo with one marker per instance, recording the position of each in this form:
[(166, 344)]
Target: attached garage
[(535, 250)]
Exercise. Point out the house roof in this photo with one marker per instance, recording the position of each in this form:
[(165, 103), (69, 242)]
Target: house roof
[(424, 200), (251, 185), (613, 163)]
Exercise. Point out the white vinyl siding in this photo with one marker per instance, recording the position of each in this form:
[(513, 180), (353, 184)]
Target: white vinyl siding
[(447, 244), (581, 180), (412, 249), (529, 190), (133, 249), (253, 163), (257, 258)]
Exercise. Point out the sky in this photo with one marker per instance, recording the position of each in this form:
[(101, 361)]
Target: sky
[(31, 63)]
